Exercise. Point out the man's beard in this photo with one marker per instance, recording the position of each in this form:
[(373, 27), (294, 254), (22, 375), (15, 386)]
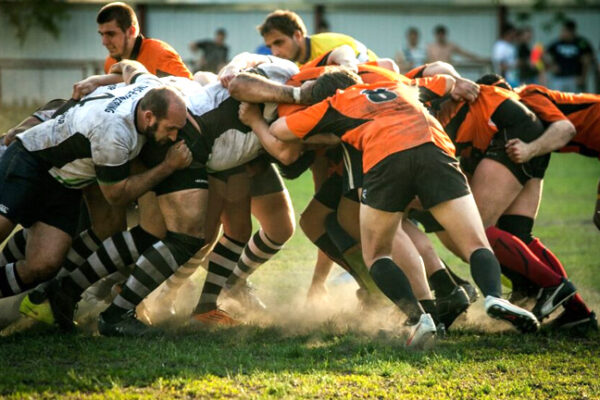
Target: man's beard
[(150, 133)]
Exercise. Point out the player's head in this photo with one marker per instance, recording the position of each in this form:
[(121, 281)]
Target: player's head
[(220, 35), (508, 32), (412, 36), (163, 113), (118, 27), (284, 33), (494, 80), (569, 30), (332, 80), (441, 33)]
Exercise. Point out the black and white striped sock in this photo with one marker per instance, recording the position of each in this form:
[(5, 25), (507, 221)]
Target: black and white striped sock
[(152, 268), (117, 253), (221, 263), (10, 281), (257, 251), (14, 250)]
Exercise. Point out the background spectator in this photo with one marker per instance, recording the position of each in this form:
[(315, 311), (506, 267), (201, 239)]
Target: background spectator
[(504, 54), (412, 55), (569, 59), (214, 52), (443, 50)]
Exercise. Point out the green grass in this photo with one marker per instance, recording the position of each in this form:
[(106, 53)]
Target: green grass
[(332, 355)]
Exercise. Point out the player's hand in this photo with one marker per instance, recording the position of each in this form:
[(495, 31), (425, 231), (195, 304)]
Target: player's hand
[(249, 113), (9, 137), (178, 156), (465, 89), (84, 87), (518, 151), (227, 74)]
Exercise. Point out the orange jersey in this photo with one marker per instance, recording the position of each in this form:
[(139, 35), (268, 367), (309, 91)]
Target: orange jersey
[(430, 88), (582, 109), (471, 124), (378, 119), (157, 56)]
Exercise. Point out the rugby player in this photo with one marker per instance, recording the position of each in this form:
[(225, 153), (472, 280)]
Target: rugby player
[(365, 116), (94, 140)]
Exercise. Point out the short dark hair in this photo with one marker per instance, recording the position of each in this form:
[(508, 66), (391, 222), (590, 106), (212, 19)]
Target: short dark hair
[(285, 21), (332, 79), (440, 29), (120, 12), (507, 27), (494, 80), (412, 29), (221, 31), (570, 25), (158, 101)]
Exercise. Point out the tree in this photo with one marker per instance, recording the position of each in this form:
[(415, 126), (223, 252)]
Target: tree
[(25, 14)]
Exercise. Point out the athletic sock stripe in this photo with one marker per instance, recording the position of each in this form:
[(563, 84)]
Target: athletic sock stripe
[(274, 245), (157, 263), (132, 249), (103, 265), (119, 252), (209, 298), (11, 278), (73, 260), (144, 278), (252, 259), (243, 267), (211, 288), (231, 244), (256, 249), (80, 279), (256, 244), (145, 265), (136, 287), (217, 259), (88, 240), (88, 270), (225, 253), (119, 301), (220, 269), (13, 246), (166, 254), (112, 252), (216, 279)]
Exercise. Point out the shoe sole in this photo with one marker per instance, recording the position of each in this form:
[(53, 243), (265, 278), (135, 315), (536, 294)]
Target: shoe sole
[(520, 321)]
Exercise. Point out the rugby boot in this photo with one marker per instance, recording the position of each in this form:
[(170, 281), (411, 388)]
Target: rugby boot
[(550, 298), (422, 336), (451, 306), (520, 318), (128, 325)]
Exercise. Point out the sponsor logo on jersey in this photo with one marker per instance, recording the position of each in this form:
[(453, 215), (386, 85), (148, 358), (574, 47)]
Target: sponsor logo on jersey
[(112, 106)]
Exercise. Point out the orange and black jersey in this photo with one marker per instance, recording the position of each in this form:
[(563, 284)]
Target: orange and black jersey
[(474, 124), (157, 56), (582, 109), (378, 119), (430, 88)]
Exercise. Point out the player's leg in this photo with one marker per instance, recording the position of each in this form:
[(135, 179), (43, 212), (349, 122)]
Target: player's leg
[(14, 249), (597, 209)]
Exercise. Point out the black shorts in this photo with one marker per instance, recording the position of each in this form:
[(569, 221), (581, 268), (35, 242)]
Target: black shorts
[(353, 170), (330, 192), (267, 181), (515, 121), (192, 177), (425, 171), (534, 168), (29, 194)]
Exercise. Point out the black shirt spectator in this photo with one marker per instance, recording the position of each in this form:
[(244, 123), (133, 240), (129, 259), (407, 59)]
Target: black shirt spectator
[(214, 52)]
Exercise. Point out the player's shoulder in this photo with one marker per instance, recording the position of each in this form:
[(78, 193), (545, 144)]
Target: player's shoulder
[(157, 45)]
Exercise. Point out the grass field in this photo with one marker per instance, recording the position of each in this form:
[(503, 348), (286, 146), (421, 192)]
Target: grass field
[(334, 352)]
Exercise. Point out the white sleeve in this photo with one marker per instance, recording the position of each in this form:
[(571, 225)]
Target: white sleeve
[(279, 70)]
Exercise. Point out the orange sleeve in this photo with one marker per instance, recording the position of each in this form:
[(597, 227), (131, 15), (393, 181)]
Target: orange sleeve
[(416, 72), (109, 63), (285, 109), (302, 122), (543, 107), (435, 85)]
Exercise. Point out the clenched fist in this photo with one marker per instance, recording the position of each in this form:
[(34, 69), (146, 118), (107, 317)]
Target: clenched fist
[(178, 156)]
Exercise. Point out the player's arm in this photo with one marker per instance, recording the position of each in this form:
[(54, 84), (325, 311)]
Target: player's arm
[(556, 136), (239, 63), (129, 69), (344, 56), (285, 152), (464, 89), (254, 88)]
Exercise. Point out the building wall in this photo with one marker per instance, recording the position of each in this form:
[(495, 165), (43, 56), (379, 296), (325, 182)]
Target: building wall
[(381, 30)]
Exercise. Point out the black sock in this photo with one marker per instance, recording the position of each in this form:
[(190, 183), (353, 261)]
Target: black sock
[(342, 240), (442, 283), (456, 278), (430, 308), (485, 270), (518, 225), (393, 283), (325, 244)]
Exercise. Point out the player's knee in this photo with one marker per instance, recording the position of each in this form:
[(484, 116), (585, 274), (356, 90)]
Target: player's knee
[(310, 226), (282, 231)]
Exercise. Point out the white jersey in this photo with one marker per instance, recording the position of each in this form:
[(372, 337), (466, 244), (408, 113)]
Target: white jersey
[(94, 139), (229, 142)]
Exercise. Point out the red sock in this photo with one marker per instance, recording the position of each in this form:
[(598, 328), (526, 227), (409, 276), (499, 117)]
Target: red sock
[(516, 256), (576, 303)]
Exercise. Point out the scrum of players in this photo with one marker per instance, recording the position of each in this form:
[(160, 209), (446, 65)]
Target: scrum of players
[(203, 154)]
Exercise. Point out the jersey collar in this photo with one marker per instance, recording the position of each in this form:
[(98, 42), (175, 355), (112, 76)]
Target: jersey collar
[(307, 50), (135, 52)]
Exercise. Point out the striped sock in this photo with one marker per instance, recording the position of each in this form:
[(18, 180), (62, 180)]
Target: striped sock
[(151, 269), (10, 281), (82, 247), (257, 251), (14, 250), (117, 253), (184, 272), (221, 263)]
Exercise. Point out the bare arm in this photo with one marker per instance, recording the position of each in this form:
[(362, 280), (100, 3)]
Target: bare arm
[(125, 191), (343, 56), (89, 84), (462, 52), (556, 136), (128, 68), (286, 152), (464, 89), (239, 63), (254, 88)]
